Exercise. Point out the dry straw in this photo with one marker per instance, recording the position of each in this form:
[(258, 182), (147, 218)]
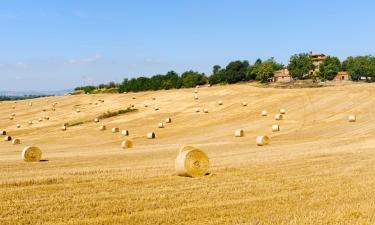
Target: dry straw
[(78, 110), (195, 91), (197, 109), (46, 117), (196, 97), (262, 140), (239, 133), (63, 128), (125, 133), (220, 102), (160, 125), (96, 120), (133, 97), (205, 110), (244, 104), (31, 154), (156, 108), (115, 130), (30, 122), (18, 126), (40, 119), (191, 162), (264, 113), (278, 117), (275, 128), (7, 138), (352, 118), (282, 111), (168, 120), (16, 141), (102, 127), (11, 118), (151, 135), (126, 144)]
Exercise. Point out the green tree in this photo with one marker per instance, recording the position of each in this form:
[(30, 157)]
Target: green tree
[(329, 68), (360, 66), (264, 72), (192, 79), (300, 65)]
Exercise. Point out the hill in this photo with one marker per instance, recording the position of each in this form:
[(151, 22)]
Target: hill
[(319, 169)]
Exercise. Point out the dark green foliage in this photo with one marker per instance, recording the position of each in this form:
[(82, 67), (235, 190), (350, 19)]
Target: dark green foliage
[(191, 79), (300, 65), (329, 68), (15, 98), (360, 66)]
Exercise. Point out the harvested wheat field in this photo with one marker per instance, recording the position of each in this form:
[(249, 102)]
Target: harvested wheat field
[(318, 169)]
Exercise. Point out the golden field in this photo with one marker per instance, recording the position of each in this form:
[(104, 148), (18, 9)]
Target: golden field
[(319, 169)]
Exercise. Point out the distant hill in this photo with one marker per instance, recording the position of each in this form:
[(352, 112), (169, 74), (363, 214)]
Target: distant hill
[(23, 93)]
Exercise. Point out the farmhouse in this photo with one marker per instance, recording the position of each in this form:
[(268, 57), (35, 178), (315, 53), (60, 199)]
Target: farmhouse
[(282, 76), (342, 76)]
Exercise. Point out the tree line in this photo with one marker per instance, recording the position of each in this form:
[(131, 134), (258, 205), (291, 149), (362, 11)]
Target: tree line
[(15, 98), (300, 67)]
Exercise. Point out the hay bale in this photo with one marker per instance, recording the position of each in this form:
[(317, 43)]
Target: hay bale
[(197, 110), (40, 119), (205, 110), (262, 140), (352, 118), (11, 118), (78, 110), (30, 122), (102, 128), (7, 138), (196, 97), (244, 104), (282, 111), (16, 141), (18, 125), (275, 128), (239, 133), (3, 132), (195, 91), (125, 133), (46, 117), (31, 154), (133, 97), (191, 162), (151, 135), (96, 120), (156, 108), (115, 130), (13, 114), (168, 120), (160, 125), (278, 116), (153, 98), (30, 104), (264, 113), (53, 109), (63, 128), (126, 144), (220, 102), (146, 105)]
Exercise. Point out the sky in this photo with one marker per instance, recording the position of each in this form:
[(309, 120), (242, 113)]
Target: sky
[(56, 45)]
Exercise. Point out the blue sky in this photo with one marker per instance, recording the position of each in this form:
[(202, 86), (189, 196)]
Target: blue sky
[(53, 45)]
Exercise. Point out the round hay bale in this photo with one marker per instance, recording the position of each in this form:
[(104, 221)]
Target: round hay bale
[(53, 109), (13, 107), (151, 135), (275, 128), (197, 86), (102, 128), (264, 113), (46, 117), (239, 133), (195, 91), (3, 132), (18, 125), (156, 108), (262, 140), (31, 154), (160, 125), (278, 116), (282, 111), (168, 120), (352, 118), (7, 138), (11, 118), (16, 141), (153, 98), (63, 128), (205, 110), (125, 133), (191, 162), (185, 148), (133, 97), (126, 144), (78, 110), (197, 110), (96, 120), (220, 102), (196, 97), (30, 122), (13, 114), (146, 105), (244, 104), (40, 119), (30, 104), (115, 130)]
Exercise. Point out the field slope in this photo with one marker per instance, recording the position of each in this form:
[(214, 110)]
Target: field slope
[(319, 169)]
